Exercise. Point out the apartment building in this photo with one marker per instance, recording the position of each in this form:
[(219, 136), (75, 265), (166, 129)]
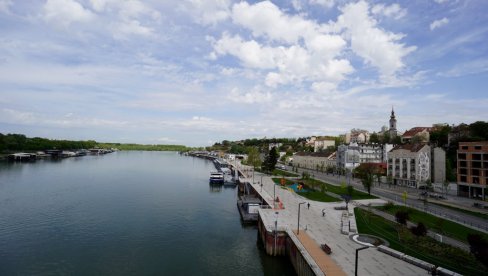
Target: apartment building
[(472, 169)]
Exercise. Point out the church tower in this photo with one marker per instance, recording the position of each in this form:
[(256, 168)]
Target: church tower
[(393, 121)]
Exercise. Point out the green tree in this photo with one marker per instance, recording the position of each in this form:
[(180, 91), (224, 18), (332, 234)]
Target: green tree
[(253, 157), (367, 172), (374, 138), (479, 131), (270, 160)]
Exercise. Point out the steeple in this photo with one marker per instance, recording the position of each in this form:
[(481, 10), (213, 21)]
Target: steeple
[(393, 121)]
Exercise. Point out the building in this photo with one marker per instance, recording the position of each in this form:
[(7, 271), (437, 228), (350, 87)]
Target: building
[(352, 155), (472, 169), (357, 136), (438, 167), (314, 160), (409, 165), (322, 144), (274, 145), (420, 133), (393, 125)]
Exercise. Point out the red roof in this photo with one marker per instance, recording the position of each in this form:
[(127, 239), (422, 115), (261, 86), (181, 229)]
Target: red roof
[(416, 130)]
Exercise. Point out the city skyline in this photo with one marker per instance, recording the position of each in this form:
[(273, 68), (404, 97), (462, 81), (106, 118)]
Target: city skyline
[(199, 72)]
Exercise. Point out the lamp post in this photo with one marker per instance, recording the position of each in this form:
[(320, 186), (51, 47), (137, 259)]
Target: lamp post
[(357, 251), (276, 231), (298, 228)]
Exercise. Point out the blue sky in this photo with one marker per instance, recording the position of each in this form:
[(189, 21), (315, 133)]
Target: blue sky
[(199, 71)]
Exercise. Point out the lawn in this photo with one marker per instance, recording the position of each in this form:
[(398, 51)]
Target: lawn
[(440, 225), (424, 248), (309, 194), (284, 173), (338, 190)]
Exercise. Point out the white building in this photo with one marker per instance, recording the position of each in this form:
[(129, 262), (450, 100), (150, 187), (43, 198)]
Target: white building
[(352, 155), (314, 160), (322, 144), (409, 164)]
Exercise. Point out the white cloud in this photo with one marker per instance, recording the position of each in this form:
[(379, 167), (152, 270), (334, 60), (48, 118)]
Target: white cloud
[(253, 96), (440, 1), (326, 3), (65, 12), (438, 23), (306, 53), (208, 12), (375, 45), (5, 6), (266, 19), (394, 10)]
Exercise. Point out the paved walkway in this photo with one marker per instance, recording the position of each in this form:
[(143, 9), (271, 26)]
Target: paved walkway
[(327, 229), (325, 263)]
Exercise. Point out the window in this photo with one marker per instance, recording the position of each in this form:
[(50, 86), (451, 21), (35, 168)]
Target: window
[(462, 164), (462, 156), (476, 156), (462, 178), (475, 172), (464, 147), (463, 171), (477, 147)]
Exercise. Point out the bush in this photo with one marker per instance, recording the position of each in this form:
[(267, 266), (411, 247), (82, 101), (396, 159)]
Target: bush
[(389, 205), (479, 247), (402, 217), (419, 230)]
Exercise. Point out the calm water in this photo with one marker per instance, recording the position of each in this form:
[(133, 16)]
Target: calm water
[(125, 213)]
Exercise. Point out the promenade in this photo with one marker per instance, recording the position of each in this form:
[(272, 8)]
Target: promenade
[(327, 229)]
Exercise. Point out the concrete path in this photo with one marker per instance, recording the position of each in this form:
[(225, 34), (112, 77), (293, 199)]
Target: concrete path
[(327, 229)]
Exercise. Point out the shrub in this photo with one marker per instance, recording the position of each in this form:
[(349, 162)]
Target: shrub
[(479, 248), (389, 205), (419, 230), (402, 217)]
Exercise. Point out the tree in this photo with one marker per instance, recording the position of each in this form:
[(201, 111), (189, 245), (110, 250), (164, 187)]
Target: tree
[(374, 138), (253, 157), (479, 130), (366, 172), (350, 190), (270, 160), (479, 248), (419, 230), (401, 217)]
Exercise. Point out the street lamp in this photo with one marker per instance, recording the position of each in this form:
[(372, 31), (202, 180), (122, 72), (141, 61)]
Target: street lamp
[(357, 251), (276, 231), (299, 204)]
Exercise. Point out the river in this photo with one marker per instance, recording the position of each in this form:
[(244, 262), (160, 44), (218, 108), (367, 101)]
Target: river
[(124, 213)]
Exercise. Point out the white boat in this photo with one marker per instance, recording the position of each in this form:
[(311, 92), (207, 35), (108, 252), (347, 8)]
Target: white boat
[(216, 177)]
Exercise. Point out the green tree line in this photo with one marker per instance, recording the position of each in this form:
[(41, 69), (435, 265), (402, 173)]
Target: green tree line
[(19, 142)]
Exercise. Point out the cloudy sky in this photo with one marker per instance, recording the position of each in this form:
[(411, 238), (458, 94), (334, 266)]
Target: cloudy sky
[(195, 72)]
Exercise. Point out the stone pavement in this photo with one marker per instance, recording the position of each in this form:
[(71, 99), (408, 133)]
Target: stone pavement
[(327, 229)]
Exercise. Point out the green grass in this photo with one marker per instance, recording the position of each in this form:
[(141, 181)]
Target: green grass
[(284, 173), (313, 184), (424, 248), (469, 212), (310, 194), (443, 226), (318, 196), (357, 195)]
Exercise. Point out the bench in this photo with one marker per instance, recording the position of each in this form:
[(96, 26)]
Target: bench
[(326, 248)]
